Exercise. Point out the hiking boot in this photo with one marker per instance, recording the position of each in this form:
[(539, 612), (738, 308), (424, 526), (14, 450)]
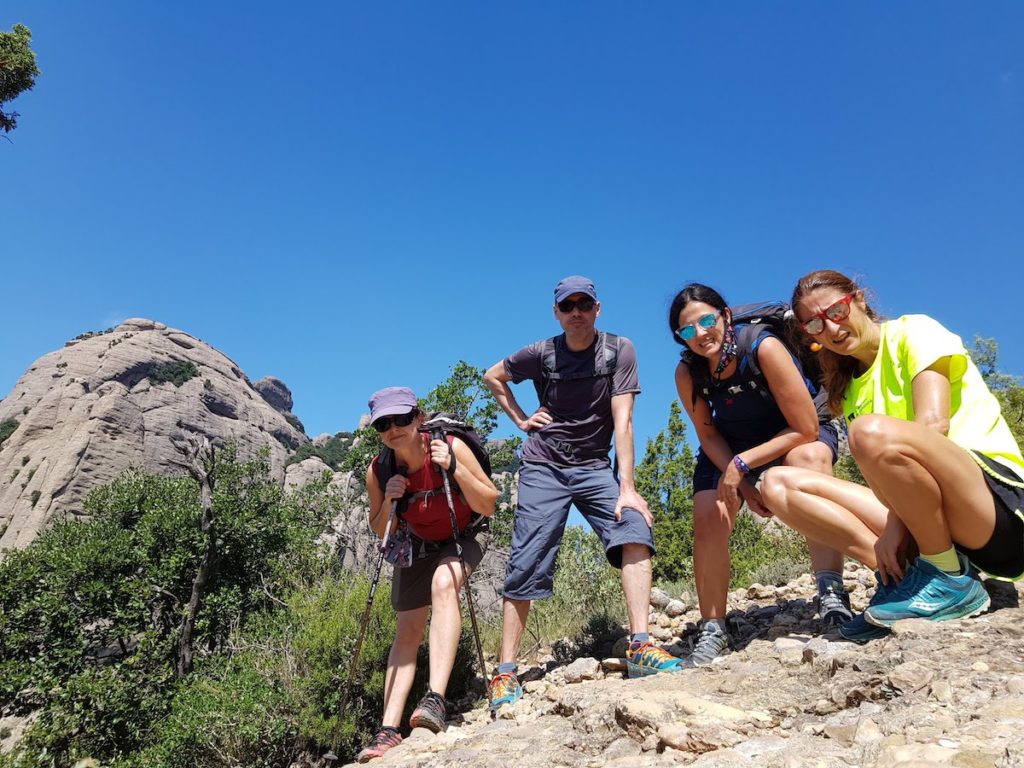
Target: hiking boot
[(834, 606), (713, 643), (927, 592), (431, 713), (859, 629), (644, 658), (386, 738), (505, 689)]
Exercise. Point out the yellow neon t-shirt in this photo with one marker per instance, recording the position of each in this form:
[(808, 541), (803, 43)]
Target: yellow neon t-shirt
[(910, 345)]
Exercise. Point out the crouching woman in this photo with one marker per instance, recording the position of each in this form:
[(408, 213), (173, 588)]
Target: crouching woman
[(412, 488), (946, 476)]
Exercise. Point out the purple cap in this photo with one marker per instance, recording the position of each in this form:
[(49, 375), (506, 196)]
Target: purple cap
[(391, 401), (574, 284)]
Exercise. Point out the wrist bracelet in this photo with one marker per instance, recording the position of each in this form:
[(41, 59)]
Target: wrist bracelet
[(741, 465)]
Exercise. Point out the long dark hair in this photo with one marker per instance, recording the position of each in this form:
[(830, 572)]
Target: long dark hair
[(699, 367), (837, 371)]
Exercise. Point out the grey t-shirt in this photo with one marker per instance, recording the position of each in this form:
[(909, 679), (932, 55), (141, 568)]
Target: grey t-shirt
[(581, 408)]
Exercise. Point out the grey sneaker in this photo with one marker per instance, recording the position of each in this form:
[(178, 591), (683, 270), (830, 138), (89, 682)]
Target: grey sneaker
[(834, 606), (712, 643)]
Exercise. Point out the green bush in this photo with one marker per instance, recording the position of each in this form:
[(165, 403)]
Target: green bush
[(7, 427), (332, 452), (90, 613), (176, 372)]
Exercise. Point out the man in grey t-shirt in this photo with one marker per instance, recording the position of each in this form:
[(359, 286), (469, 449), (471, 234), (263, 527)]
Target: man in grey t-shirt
[(586, 382)]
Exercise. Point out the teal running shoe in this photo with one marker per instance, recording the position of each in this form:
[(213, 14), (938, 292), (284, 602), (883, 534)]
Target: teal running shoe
[(927, 592), (859, 629), (643, 659), (505, 689)]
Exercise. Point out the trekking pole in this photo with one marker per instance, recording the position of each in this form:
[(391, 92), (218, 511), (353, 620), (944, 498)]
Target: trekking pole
[(332, 755), (437, 434)]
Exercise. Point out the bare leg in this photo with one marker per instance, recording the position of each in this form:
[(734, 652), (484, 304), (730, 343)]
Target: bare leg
[(712, 526), (636, 584), (930, 483), (445, 621), (817, 456), (840, 515), (513, 622), (402, 663)]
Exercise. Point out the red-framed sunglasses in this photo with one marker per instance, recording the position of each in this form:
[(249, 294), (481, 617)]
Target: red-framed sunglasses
[(837, 311)]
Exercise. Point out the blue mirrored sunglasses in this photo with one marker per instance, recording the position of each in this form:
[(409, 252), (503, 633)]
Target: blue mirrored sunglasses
[(687, 332)]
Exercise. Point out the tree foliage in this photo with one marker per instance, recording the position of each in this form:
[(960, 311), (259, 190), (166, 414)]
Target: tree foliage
[(1006, 387), (18, 71), (664, 477)]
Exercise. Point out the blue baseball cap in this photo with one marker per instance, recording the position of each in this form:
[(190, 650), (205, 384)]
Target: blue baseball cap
[(575, 284)]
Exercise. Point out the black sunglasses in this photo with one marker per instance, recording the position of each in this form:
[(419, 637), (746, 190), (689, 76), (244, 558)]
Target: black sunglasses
[(585, 304), (384, 423)]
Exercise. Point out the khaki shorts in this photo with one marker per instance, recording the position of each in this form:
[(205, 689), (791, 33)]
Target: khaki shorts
[(410, 587)]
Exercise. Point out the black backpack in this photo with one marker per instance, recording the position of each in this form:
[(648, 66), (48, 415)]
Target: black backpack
[(750, 320), (606, 357)]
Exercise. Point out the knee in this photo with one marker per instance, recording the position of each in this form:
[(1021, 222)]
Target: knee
[(870, 437), (408, 633), (775, 488), (816, 456), (444, 585), (711, 523)]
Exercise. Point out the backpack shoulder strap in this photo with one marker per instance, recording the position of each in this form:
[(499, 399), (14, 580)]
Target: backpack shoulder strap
[(384, 466)]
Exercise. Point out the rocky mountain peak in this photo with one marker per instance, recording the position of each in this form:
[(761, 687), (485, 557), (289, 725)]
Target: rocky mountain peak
[(105, 401)]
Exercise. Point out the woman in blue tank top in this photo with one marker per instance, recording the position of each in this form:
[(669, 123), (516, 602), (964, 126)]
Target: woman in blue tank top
[(745, 423)]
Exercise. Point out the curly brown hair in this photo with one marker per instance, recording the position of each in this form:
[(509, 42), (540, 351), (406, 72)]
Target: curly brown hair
[(837, 371)]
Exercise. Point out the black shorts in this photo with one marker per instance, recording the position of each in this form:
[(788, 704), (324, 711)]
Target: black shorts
[(1003, 555), (706, 474), (411, 587)]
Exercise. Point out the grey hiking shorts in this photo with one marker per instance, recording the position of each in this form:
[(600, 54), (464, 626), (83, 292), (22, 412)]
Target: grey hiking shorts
[(546, 492)]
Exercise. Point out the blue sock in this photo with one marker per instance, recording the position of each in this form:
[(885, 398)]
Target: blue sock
[(640, 637), (507, 668)]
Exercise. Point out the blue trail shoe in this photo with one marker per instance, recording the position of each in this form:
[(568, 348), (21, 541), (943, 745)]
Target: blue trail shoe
[(644, 659), (927, 592), (505, 689), (859, 629)]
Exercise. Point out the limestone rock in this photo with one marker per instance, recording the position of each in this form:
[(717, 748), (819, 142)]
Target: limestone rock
[(106, 402), (276, 393)]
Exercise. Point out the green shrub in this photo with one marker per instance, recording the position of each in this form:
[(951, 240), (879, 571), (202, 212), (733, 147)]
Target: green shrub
[(332, 452), (7, 427), (585, 587), (176, 372)]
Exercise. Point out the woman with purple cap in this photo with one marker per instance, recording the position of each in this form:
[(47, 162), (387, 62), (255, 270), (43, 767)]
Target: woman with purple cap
[(430, 583)]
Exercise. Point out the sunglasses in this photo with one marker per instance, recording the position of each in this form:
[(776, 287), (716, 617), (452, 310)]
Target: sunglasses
[(384, 423), (565, 306), (687, 332), (836, 312)]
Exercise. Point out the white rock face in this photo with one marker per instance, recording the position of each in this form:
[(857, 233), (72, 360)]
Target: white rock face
[(89, 411)]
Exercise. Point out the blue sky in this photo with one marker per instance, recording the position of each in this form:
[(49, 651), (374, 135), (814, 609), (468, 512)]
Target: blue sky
[(350, 196)]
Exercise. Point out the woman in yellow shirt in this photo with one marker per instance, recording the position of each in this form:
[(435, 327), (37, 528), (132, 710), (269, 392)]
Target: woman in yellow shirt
[(946, 476)]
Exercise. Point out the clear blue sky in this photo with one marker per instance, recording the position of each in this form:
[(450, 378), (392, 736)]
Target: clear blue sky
[(354, 195)]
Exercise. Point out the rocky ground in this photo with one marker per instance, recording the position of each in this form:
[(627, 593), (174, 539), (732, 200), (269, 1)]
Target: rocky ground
[(949, 694)]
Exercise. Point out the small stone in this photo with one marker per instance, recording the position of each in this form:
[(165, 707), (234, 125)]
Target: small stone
[(941, 691), (582, 669), (675, 608), (659, 598), (614, 664), (867, 732), (841, 733), (979, 666)]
